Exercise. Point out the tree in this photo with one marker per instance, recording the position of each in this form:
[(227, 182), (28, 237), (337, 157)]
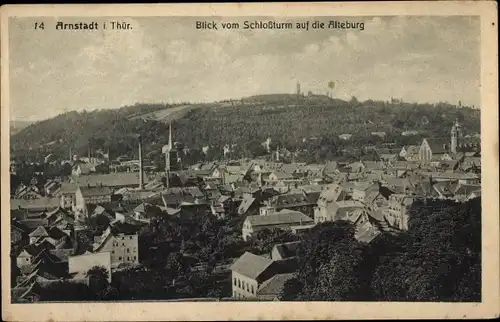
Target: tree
[(329, 264), (98, 278), (264, 240)]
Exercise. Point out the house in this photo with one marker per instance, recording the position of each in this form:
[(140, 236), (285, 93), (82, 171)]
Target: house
[(224, 206), (362, 189), (254, 277), (67, 194), (410, 152), (88, 195), (111, 180), (333, 193), (28, 192), (79, 265), (338, 210), (28, 255), (270, 290), (365, 228), (293, 201), (398, 209), (247, 273), (174, 197), (465, 192), (18, 231), (249, 206), (34, 205), (52, 186), (388, 157), (278, 176), (92, 195), (27, 294), (53, 235), (123, 246), (283, 219), (285, 250)]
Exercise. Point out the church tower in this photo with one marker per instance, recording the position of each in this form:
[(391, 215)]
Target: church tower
[(455, 136)]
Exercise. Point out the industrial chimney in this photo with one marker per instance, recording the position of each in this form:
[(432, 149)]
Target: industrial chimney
[(141, 178)]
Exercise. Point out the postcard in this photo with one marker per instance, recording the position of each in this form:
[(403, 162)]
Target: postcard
[(264, 161)]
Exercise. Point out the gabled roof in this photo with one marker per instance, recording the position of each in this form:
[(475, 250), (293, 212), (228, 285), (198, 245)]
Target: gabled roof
[(363, 186), (284, 216), (245, 205), (95, 191), (251, 265), (40, 231), (287, 200), (274, 285), (282, 175), (35, 204), (287, 249), (120, 179), (438, 146)]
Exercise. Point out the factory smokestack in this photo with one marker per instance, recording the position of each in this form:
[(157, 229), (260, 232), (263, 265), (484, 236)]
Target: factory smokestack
[(141, 178)]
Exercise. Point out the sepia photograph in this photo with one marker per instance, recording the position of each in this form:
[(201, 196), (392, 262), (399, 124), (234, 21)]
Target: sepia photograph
[(246, 158)]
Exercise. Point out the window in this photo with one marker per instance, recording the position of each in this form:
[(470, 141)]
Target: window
[(253, 291), (120, 258), (135, 257), (128, 258), (235, 281), (128, 250), (239, 283), (123, 244), (112, 252), (248, 287), (123, 238), (130, 237)]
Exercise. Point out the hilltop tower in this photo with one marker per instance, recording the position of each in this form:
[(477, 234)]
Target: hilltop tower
[(298, 89), (456, 133)]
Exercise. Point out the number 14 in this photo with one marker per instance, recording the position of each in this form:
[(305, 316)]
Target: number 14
[(39, 25)]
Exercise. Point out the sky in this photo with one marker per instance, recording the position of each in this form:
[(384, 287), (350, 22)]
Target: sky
[(166, 59)]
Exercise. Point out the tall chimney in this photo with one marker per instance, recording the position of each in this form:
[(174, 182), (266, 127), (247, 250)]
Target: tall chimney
[(141, 178), (89, 151)]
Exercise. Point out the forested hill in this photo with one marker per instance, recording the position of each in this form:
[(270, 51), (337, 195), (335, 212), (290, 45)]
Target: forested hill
[(245, 123)]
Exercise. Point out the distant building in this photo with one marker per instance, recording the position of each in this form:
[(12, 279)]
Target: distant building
[(283, 219), (292, 201), (345, 136), (338, 210), (257, 277), (79, 265), (124, 248), (397, 214)]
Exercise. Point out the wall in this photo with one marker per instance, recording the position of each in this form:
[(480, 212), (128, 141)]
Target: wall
[(82, 263), (242, 286), (124, 249)]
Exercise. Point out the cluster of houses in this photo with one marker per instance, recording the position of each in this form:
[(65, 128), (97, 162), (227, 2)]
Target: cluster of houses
[(374, 195)]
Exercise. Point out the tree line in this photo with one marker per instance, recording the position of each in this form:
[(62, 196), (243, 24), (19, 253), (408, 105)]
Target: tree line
[(246, 127), (437, 259)]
